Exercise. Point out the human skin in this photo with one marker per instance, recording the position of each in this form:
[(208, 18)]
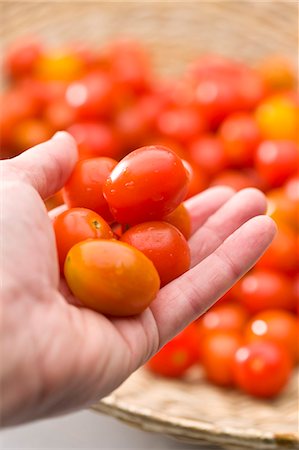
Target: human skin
[(58, 357)]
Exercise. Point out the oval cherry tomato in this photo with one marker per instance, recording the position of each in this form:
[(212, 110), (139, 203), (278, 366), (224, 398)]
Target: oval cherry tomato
[(263, 289), (262, 369), (240, 135), (59, 114), (218, 352), (147, 184), (111, 277), (164, 245), (180, 218), (275, 161), (76, 225), (95, 139), (84, 188), (178, 355), (207, 152), (275, 325), (282, 208)]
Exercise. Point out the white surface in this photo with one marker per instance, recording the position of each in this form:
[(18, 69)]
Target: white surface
[(85, 430)]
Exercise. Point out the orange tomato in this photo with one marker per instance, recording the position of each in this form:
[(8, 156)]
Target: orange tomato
[(111, 277), (180, 218)]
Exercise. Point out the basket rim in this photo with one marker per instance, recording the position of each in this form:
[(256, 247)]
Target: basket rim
[(194, 430)]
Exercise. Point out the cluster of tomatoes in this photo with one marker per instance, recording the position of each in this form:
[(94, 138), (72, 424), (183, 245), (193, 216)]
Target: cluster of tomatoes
[(235, 125), (118, 270)]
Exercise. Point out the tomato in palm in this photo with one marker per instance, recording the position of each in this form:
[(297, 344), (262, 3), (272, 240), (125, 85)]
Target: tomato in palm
[(164, 245), (264, 289), (180, 218), (240, 135), (281, 254), (218, 352), (262, 369), (111, 277), (275, 325), (176, 357), (276, 161), (147, 184), (76, 225), (85, 186), (95, 139), (207, 152)]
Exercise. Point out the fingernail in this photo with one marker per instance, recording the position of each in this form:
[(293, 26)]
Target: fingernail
[(59, 135)]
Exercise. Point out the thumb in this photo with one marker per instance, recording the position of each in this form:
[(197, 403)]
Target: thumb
[(47, 166)]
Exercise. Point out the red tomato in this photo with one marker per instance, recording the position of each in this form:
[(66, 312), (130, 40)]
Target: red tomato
[(111, 277), (95, 139), (282, 208), (128, 65), (31, 132), (147, 184), (264, 289), (164, 245), (229, 317), (132, 127), (180, 218), (76, 225), (281, 254), (275, 161), (92, 96), (59, 114), (181, 124), (176, 357), (240, 136), (262, 369), (198, 181), (21, 57), (275, 325), (207, 152), (236, 179), (84, 188), (218, 352)]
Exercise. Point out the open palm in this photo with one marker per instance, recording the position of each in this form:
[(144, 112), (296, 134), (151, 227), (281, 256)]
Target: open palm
[(59, 356)]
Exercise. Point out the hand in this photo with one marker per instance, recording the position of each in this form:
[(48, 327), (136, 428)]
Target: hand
[(59, 357)]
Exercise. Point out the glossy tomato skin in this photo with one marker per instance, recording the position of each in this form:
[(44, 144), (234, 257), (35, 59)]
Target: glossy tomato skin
[(275, 325), (262, 369), (147, 184), (111, 277), (180, 218), (263, 289), (75, 225), (218, 352), (164, 245), (177, 356), (85, 186)]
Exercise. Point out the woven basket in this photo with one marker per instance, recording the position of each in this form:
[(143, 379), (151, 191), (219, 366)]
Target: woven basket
[(177, 32)]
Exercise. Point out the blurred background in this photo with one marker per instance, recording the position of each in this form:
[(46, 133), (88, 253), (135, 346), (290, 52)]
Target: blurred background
[(216, 81)]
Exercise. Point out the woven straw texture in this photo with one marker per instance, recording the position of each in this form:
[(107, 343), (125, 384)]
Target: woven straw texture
[(176, 32)]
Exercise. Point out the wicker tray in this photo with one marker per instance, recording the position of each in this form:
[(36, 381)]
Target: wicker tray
[(176, 32)]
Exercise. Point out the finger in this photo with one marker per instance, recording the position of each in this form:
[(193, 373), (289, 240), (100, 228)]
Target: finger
[(202, 205), (47, 166), (53, 213), (186, 298), (241, 207)]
